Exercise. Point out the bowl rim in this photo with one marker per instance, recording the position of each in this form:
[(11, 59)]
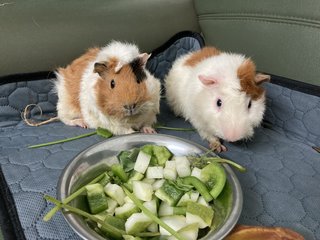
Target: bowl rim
[(71, 219)]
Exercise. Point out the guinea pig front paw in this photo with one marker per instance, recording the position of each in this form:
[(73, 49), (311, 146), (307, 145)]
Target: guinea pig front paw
[(217, 146), (77, 122), (148, 130)]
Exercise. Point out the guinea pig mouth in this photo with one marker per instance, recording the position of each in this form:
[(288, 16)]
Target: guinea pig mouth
[(130, 110)]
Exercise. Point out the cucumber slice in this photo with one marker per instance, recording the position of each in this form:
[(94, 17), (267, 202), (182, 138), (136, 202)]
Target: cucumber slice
[(162, 154), (115, 222), (105, 180), (165, 209), (126, 210), (142, 190), (158, 184), (130, 237), (142, 162), (189, 232), (159, 154), (182, 166), (214, 176), (196, 172), (96, 198), (197, 213), (117, 170), (112, 204), (137, 223), (169, 193), (188, 197), (155, 172), (135, 176), (115, 192), (176, 222)]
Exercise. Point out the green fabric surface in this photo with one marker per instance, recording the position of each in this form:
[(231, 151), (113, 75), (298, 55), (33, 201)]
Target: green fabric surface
[(42, 35), (282, 37)]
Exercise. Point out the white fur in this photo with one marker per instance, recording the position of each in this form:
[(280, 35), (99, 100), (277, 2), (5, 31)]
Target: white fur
[(194, 101), (90, 112)]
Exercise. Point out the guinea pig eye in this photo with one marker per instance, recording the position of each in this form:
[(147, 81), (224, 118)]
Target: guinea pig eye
[(249, 104), (112, 83), (219, 102)]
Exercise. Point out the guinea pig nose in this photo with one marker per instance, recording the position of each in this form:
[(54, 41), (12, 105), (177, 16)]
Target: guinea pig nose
[(130, 108)]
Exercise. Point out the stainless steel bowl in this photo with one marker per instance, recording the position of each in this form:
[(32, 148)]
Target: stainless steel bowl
[(95, 159)]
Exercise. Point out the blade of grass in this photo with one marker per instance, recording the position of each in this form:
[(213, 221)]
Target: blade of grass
[(174, 128), (63, 140)]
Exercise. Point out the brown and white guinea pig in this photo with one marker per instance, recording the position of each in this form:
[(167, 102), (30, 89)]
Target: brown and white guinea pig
[(109, 87), (219, 93)]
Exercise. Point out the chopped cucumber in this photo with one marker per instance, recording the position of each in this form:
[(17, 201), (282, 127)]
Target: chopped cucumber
[(115, 192), (137, 223), (197, 213), (176, 222), (128, 158), (169, 193), (165, 209), (96, 198), (162, 154), (196, 172), (182, 166), (112, 204), (189, 232), (155, 172), (158, 184), (214, 176), (202, 201), (159, 154), (126, 210), (142, 190), (169, 172), (117, 170), (105, 180), (151, 205), (115, 222), (188, 197), (135, 176), (142, 162), (130, 237)]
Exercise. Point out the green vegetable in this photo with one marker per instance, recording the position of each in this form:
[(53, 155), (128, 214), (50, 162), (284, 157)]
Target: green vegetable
[(162, 154), (96, 198), (159, 154), (152, 216), (78, 211), (115, 222), (169, 193), (104, 132), (214, 176), (100, 131), (199, 185), (128, 158), (205, 213), (53, 211), (105, 180), (118, 171)]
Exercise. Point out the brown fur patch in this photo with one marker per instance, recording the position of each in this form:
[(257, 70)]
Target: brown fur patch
[(246, 73), (201, 55), (127, 91), (72, 76)]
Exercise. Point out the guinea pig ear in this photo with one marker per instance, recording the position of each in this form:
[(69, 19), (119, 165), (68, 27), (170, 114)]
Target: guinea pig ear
[(261, 78), (100, 67), (144, 58), (208, 80)]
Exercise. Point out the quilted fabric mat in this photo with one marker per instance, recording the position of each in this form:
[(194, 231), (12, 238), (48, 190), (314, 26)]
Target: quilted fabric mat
[(281, 186)]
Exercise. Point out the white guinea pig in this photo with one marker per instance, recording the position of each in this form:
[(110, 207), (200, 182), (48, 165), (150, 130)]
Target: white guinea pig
[(109, 87), (219, 93)]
